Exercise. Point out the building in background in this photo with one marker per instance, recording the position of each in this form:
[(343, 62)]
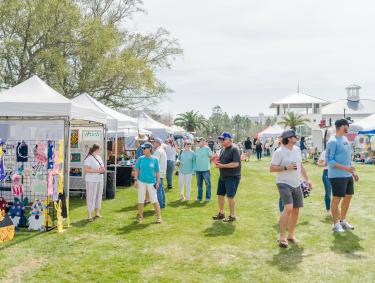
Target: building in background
[(352, 107)]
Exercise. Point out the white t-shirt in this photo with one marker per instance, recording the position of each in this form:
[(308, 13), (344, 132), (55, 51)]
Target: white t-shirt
[(161, 155), (171, 152), (94, 164), (323, 158), (283, 157)]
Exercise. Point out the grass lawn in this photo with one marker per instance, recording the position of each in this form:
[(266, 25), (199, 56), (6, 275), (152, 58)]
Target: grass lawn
[(190, 247)]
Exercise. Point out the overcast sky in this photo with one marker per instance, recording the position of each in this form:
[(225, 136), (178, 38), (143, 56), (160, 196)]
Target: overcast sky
[(244, 54)]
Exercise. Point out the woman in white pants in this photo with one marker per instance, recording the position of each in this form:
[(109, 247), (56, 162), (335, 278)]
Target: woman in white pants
[(94, 169), (186, 162)]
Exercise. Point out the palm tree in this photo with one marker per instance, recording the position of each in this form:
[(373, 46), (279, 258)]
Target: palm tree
[(293, 120), (191, 121)]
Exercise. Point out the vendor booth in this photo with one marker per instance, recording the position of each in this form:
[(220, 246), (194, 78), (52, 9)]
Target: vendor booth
[(35, 124), (274, 131), (158, 130)]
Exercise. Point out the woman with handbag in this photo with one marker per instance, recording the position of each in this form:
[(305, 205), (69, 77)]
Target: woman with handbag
[(94, 169)]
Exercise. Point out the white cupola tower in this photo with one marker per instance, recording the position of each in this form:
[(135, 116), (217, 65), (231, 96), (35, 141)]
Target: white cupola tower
[(353, 92)]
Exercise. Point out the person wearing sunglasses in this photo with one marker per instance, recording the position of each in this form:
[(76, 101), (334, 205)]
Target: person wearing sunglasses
[(229, 164), (186, 163), (147, 178)]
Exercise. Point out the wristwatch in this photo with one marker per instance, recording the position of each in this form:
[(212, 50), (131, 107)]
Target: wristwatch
[(285, 168)]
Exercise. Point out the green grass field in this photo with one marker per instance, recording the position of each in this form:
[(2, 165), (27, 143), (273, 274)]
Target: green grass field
[(190, 247)]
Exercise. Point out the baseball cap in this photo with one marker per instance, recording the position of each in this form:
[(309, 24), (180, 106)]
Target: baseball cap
[(288, 134), (341, 122), (146, 145), (225, 135)]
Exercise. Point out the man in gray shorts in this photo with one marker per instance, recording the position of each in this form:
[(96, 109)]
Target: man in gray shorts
[(287, 163)]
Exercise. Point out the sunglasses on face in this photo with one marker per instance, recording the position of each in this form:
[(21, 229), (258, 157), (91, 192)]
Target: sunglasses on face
[(188, 144), (143, 148)]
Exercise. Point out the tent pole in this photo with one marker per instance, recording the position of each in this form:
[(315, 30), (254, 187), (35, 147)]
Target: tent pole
[(116, 138)]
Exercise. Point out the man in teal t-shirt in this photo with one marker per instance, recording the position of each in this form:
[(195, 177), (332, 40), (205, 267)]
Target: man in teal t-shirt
[(202, 165), (147, 179)]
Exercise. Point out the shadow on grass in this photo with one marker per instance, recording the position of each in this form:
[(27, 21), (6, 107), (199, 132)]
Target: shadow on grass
[(133, 227), (193, 204), (288, 259), (177, 203), (219, 228), (76, 202), (128, 208), (327, 220), (348, 244), (81, 223)]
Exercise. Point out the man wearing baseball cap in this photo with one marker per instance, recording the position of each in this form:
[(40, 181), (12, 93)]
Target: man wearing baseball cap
[(287, 163), (341, 174), (229, 164)]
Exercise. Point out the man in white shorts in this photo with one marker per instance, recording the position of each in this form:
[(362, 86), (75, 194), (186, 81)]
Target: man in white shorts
[(147, 178)]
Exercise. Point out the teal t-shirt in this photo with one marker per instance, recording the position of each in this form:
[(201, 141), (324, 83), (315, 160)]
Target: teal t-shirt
[(187, 162), (203, 157), (148, 167)]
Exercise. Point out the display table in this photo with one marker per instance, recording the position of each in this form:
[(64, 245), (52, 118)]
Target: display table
[(124, 175)]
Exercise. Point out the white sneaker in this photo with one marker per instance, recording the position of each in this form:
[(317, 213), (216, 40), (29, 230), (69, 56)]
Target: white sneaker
[(346, 225), (337, 228)]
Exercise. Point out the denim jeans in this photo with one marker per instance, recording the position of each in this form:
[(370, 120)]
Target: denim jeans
[(206, 176), (259, 155), (327, 188), (161, 194), (170, 168)]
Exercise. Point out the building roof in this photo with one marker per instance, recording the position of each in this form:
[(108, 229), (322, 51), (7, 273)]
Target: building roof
[(298, 99), (361, 107)]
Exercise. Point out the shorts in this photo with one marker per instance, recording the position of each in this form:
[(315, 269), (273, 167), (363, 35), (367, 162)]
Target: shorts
[(342, 186), (142, 187), (248, 151), (228, 186), (291, 195)]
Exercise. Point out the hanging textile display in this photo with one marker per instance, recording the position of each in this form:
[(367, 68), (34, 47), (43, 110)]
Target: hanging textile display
[(40, 153), (2, 170), (17, 212), (36, 218), (22, 151), (17, 185), (50, 155)]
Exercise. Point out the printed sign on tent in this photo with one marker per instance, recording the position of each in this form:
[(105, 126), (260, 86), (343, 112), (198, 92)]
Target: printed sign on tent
[(91, 135)]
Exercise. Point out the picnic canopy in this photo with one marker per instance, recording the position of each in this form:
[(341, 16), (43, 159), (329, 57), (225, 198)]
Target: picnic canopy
[(158, 129), (116, 121), (271, 132), (34, 98), (364, 126)]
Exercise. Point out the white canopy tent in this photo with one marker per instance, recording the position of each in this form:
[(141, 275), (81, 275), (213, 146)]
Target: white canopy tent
[(271, 132), (364, 126), (115, 120), (177, 130), (158, 130), (33, 100), (118, 123)]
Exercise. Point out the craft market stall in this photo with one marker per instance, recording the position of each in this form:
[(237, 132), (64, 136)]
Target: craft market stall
[(158, 130), (365, 139), (35, 123), (117, 124)]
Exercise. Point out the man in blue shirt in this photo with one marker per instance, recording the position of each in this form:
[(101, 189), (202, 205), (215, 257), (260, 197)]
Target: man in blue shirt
[(202, 169), (341, 174)]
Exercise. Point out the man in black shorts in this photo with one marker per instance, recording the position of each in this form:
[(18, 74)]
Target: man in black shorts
[(341, 174), (229, 164)]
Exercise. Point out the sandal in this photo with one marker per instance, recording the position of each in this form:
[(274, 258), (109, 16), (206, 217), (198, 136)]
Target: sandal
[(230, 219), (159, 221), (282, 243), (90, 219), (218, 216), (139, 218)]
